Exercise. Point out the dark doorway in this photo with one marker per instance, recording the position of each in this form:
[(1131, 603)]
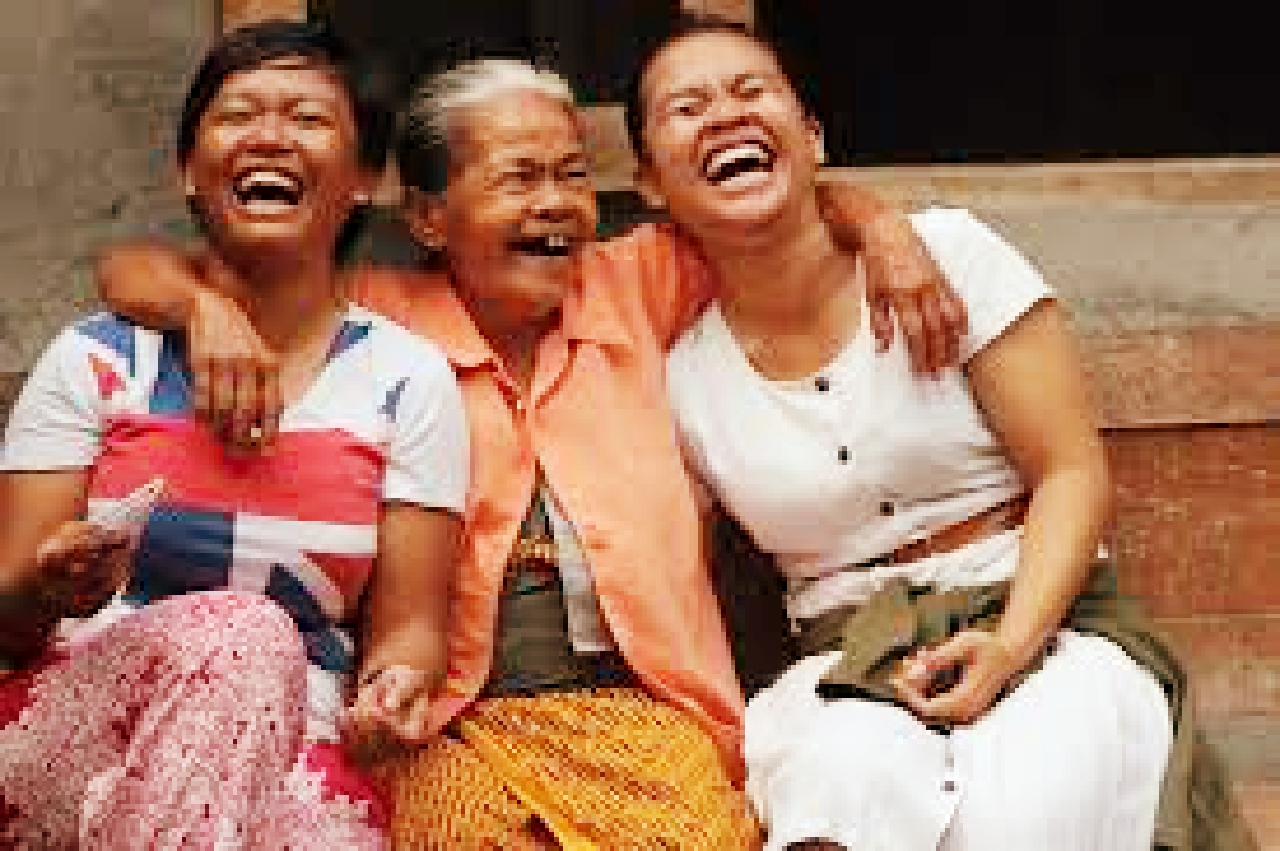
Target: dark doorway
[(999, 80), (592, 42)]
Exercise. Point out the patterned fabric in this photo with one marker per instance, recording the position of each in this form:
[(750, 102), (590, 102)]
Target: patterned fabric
[(175, 728), (612, 770), (118, 397), (297, 524)]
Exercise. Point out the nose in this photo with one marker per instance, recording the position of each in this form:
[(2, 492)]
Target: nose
[(552, 200), (725, 109), (269, 132)]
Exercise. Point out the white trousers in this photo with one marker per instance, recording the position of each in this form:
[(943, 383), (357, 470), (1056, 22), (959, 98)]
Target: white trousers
[(1071, 761)]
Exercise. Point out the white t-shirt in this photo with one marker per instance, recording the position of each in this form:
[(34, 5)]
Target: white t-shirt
[(849, 464), (383, 421)]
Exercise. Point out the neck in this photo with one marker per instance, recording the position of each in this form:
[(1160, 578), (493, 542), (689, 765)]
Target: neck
[(784, 274), (288, 299), (514, 332)]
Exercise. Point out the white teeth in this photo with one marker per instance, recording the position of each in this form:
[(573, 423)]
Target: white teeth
[(751, 152), (557, 241), (268, 178)]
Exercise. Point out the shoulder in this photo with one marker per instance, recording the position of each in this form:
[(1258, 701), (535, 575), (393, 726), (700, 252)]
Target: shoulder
[(101, 339), (394, 344), (701, 353), (996, 282), (408, 371)]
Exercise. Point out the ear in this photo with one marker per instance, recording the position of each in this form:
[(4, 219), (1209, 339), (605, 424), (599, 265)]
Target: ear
[(648, 190), (365, 187), (425, 216), (186, 181), (816, 140)]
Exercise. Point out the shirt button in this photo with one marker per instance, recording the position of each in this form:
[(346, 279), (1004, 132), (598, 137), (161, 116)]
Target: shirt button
[(842, 454), (948, 785), (822, 383), (887, 508)]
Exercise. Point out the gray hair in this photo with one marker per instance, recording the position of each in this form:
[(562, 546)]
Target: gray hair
[(422, 146)]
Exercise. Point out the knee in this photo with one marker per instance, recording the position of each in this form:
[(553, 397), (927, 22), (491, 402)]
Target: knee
[(232, 624)]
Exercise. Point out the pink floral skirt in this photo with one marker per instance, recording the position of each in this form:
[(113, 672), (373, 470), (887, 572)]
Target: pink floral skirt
[(180, 726)]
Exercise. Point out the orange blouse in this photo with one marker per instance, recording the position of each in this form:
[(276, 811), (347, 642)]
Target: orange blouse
[(598, 422)]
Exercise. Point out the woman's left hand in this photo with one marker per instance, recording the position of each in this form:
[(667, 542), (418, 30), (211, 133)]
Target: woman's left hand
[(985, 664), (397, 700)]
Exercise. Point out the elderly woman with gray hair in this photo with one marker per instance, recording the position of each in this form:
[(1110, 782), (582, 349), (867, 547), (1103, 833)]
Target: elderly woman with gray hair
[(590, 698)]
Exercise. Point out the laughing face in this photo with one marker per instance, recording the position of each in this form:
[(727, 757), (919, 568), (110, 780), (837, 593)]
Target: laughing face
[(274, 165), (728, 144), (519, 204)]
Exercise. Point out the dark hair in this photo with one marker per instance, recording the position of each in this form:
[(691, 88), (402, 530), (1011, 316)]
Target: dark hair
[(255, 45), (687, 24)]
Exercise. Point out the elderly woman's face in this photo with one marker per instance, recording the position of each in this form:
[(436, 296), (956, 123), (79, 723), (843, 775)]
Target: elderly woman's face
[(520, 201), (275, 163), (729, 143)]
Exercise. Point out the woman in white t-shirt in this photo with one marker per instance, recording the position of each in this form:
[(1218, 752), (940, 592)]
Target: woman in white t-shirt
[(877, 490)]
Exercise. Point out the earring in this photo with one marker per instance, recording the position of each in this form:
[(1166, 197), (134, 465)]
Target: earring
[(361, 198), (190, 190)]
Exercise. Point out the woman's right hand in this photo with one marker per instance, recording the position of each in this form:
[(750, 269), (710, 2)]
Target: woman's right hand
[(80, 566), (236, 377)]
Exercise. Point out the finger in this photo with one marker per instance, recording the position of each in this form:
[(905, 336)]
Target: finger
[(913, 697), (912, 326), (202, 390), (417, 726), (962, 704), (222, 399), (246, 413), (402, 686), (272, 406), (952, 314), (882, 322), (917, 671), (935, 331), (956, 650), (69, 543)]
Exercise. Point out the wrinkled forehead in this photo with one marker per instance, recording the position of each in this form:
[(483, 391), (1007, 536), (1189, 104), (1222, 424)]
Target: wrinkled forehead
[(515, 124), (288, 78)]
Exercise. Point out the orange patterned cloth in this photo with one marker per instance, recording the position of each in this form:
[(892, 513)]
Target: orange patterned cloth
[(609, 770)]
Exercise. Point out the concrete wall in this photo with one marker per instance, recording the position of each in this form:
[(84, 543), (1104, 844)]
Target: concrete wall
[(88, 94)]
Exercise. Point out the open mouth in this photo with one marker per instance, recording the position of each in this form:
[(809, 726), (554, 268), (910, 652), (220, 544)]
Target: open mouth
[(545, 245), (267, 190), (729, 164)]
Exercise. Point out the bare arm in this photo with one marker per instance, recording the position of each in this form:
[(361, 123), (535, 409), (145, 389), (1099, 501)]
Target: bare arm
[(405, 659), (1018, 380), (155, 283), (1030, 384), (235, 376), (48, 558)]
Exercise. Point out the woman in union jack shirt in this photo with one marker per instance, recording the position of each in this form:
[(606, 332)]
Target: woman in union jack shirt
[(200, 708)]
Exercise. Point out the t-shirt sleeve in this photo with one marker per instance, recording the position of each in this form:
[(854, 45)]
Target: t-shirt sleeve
[(56, 422), (428, 453), (672, 280), (995, 281)]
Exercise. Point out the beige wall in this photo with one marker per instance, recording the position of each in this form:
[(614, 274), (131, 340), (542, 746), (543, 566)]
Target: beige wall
[(88, 94), (239, 12)]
